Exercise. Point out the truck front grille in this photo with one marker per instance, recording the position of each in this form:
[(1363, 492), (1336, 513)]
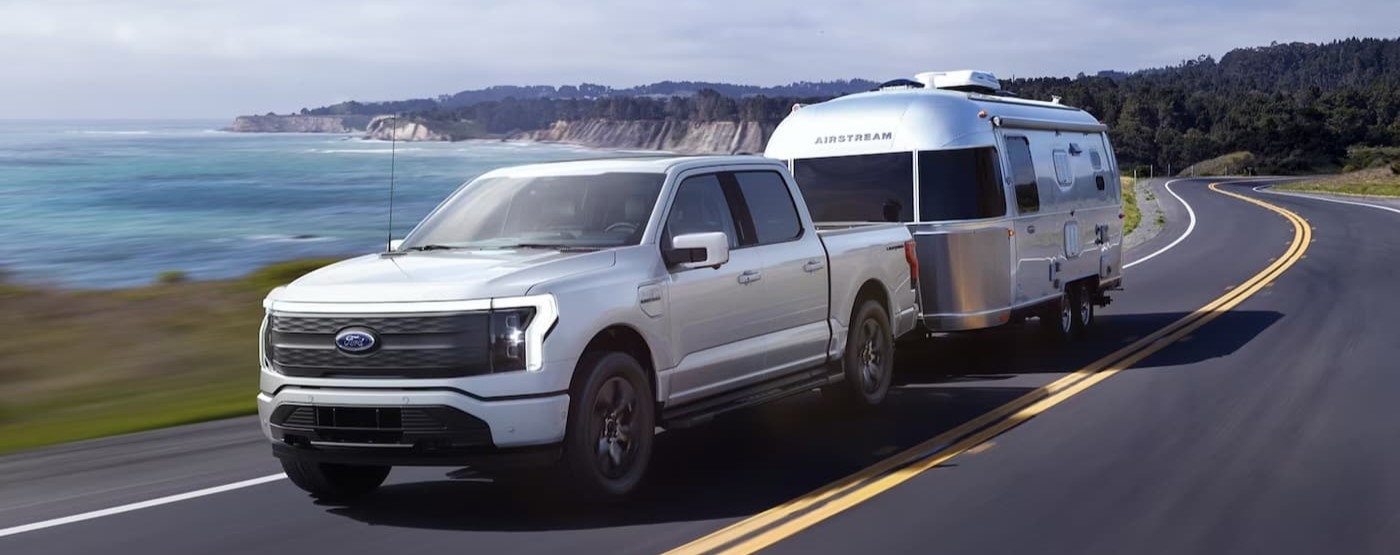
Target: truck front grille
[(417, 346), (382, 324), (429, 426)]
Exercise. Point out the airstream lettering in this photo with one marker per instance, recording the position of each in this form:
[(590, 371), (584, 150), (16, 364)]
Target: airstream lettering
[(1015, 204), (833, 139)]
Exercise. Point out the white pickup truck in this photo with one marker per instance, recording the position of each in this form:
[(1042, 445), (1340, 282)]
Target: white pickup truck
[(555, 315)]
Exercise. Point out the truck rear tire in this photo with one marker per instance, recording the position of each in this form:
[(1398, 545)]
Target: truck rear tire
[(334, 482), (610, 433), (869, 359)]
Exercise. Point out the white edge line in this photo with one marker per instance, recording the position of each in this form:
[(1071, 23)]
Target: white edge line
[(139, 505), (1189, 227), (1268, 189)]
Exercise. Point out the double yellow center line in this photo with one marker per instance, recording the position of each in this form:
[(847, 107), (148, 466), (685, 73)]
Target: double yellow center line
[(773, 525)]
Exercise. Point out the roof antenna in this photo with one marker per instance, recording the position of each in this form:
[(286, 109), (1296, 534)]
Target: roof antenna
[(393, 143)]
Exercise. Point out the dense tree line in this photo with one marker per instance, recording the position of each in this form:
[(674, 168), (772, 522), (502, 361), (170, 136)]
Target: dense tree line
[(1295, 106)]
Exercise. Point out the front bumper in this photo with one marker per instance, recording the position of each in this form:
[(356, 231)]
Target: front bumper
[(411, 428)]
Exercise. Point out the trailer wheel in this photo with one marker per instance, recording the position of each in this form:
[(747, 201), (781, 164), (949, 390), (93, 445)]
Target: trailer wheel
[(1083, 301), (609, 435), (1057, 318), (869, 358)]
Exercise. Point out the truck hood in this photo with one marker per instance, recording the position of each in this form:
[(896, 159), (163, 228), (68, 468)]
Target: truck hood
[(439, 276)]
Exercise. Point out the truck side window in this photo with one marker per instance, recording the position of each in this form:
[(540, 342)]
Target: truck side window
[(1018, 155), (770, 206), (700, 207)]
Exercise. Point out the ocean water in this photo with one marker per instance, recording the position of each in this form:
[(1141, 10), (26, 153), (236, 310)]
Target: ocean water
[(104, 204)]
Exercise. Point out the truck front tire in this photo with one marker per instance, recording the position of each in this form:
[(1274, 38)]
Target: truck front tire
[(334, 482), (612, 423), (869, 357)]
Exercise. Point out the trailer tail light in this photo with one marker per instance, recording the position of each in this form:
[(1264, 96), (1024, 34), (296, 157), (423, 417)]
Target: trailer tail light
[(912, 257)]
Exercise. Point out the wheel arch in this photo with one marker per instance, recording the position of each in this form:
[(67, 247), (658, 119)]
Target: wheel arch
[(621, 338), (874, 290)]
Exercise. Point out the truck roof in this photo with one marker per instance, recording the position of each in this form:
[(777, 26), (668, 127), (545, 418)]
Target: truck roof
[(658, 163), (908, 119)]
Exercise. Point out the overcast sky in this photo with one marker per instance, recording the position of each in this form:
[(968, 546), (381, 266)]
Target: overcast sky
[(220, 58)]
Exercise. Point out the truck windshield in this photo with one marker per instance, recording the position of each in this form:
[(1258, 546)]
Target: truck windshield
[(566, 211)]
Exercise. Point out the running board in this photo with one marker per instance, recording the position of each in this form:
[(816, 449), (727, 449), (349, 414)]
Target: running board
[(698, 412)]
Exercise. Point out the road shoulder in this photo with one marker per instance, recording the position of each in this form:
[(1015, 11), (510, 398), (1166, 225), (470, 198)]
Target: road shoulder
[(1153, 220)]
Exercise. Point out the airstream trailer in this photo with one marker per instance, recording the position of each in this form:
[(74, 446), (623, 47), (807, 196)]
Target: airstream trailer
[(1015, 204)]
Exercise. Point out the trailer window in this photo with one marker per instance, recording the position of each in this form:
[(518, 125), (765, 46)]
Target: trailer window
[(865, 188), (1018, 157), (1062, 172), (962, 184)]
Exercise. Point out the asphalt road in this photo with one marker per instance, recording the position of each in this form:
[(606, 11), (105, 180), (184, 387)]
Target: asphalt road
[(1269, 428)]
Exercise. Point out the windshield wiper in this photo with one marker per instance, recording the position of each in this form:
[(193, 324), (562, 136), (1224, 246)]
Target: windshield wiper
[(550, 246), (553, 246), (433, 248)]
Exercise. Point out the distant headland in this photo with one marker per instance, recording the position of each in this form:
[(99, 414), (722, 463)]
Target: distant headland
[(1297, 107)]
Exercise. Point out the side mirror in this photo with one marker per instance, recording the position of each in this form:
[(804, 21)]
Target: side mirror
[(394, 244), (698, 250)]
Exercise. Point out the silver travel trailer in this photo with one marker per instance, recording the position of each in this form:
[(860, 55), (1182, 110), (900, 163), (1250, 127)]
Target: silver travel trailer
[(1015, 204)]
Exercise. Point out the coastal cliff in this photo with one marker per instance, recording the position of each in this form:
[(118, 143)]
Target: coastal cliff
[(715, 137), (387, 127), (299, 124), (673, 135)]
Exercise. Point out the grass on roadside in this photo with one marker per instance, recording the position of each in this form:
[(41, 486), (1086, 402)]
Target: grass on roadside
[(89, 364), (1132, 215), (1234, 163), (1374, 182)]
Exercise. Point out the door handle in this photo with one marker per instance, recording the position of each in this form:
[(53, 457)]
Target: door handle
[(813, 265), (750, 277)]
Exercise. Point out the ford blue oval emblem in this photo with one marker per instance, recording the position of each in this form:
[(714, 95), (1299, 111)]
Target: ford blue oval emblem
[(356, 341)]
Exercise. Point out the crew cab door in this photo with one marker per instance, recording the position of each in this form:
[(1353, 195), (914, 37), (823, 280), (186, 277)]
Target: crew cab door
[(716, 314), (794, 303)]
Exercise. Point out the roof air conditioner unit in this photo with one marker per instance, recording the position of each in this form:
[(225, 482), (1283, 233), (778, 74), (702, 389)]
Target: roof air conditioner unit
[(966, 80)]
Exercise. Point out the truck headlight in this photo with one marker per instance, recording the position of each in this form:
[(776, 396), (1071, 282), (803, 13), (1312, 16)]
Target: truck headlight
[(518, 328), (265, 341), (508, 338)]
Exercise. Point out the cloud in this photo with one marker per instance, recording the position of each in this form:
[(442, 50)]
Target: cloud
[(155, 58)]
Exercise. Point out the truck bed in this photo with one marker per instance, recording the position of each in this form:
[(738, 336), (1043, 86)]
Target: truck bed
[(829, 228), (859, 252)]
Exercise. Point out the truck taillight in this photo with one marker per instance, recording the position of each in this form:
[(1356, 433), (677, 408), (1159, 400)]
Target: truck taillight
[(912, 257)]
